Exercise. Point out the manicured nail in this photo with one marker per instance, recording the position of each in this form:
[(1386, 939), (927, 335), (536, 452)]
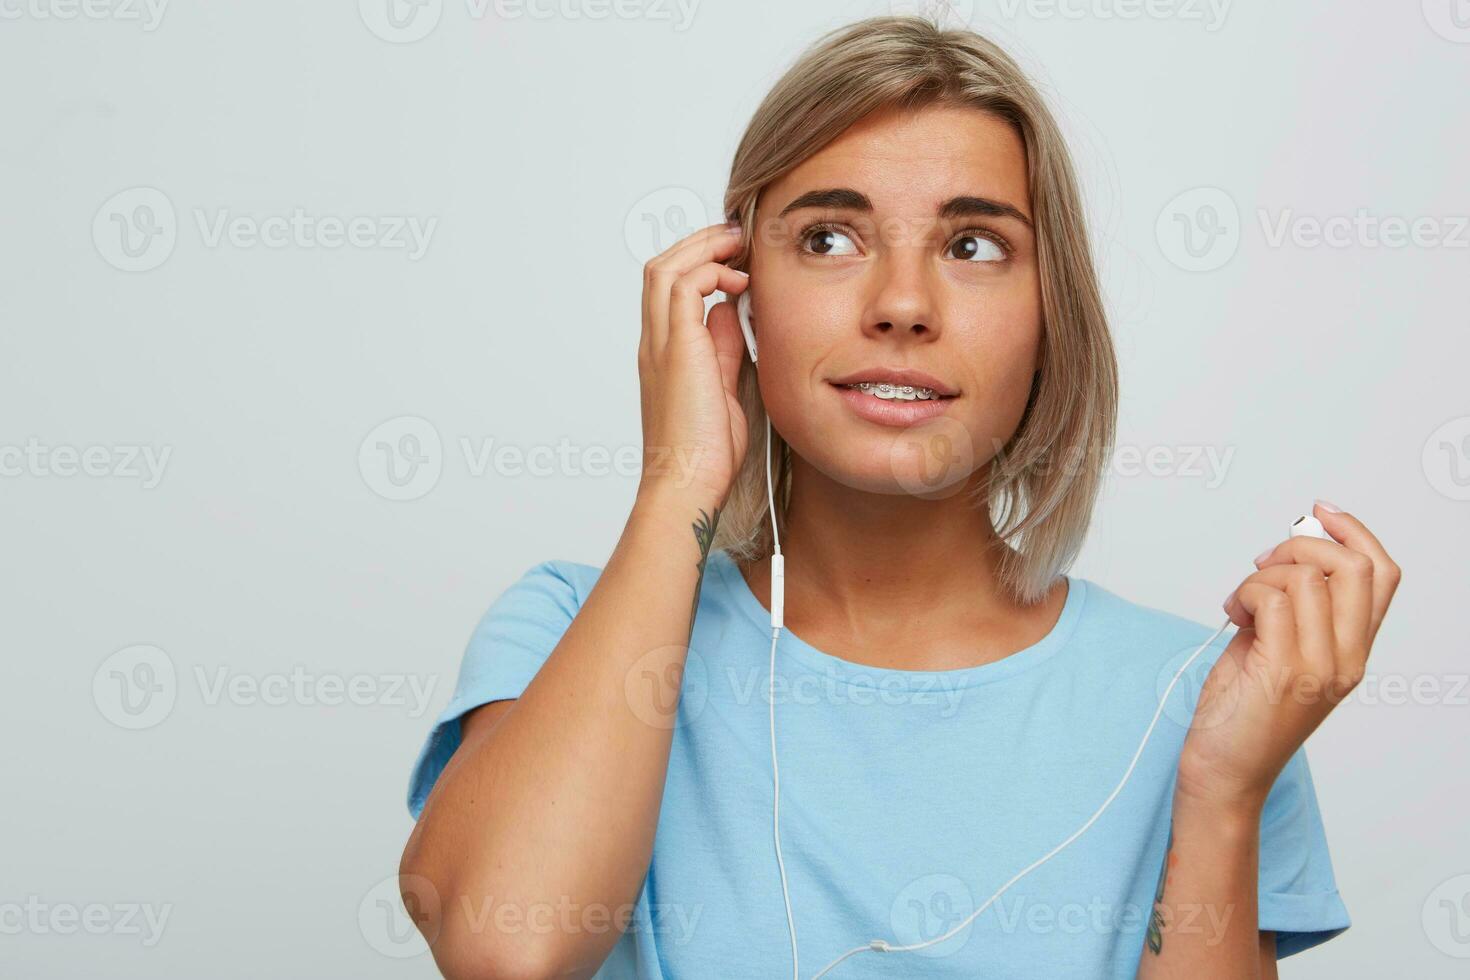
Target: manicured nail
[(733, 229), (742, 272), (1328, 506), (1226, 604), (1263, 556)]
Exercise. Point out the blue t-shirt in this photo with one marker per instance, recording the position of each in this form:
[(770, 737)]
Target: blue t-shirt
[(909, 797)]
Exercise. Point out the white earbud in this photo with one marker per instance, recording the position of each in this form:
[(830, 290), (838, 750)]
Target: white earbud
[(742, 309), (1309, 526)]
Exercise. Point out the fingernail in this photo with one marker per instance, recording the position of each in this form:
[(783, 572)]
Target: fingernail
[(1263, 556), (1328, 506), (733, 229), (1226, 604), (742, 272)]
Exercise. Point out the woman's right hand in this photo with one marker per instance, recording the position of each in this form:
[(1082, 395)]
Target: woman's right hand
[(694, 430)]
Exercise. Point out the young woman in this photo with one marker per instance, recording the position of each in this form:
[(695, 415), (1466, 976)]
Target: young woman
[(947, 705)]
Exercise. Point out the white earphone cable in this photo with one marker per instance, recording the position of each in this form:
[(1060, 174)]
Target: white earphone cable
[(881, 945), (771, 701)]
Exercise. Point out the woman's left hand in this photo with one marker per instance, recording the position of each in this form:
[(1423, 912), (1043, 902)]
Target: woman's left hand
[(1307, 620)]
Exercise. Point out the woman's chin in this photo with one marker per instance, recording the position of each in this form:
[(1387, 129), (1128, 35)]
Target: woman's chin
[(904, 463)]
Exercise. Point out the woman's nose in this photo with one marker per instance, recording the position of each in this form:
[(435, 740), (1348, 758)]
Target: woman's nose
[(903, 304)]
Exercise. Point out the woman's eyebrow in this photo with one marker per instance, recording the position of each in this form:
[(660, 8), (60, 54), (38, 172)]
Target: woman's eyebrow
[(847, 199), (963, 207)]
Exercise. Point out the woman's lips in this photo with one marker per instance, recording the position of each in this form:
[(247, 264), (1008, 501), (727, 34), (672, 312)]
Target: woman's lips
[(891, 411)]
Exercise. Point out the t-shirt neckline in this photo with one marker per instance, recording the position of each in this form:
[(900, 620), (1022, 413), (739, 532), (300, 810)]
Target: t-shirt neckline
[(848, 671)]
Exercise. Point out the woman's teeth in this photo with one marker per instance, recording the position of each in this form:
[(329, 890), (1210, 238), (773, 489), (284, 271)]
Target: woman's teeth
[(900, 393)]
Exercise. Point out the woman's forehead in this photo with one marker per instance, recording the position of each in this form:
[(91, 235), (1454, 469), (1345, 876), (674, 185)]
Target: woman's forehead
[(911, 162)]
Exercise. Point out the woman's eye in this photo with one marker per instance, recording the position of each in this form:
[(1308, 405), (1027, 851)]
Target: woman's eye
[(976, 248), (826, 241)]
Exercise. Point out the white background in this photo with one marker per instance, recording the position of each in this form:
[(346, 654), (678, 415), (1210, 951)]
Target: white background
[(548, 156)]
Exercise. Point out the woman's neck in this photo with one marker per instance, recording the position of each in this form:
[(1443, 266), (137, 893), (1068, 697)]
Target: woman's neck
[(859, 547), (897, 580)]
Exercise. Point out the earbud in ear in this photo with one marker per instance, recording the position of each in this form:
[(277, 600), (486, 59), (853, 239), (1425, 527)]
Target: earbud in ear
[(742, 309)]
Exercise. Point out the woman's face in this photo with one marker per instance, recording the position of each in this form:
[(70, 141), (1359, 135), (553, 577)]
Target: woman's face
[(906, 244)]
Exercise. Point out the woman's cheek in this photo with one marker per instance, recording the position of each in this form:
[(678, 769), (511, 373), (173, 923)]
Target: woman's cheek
[(1005, 355)]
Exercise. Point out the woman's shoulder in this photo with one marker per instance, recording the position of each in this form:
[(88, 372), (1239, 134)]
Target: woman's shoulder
[(564, 584), (560, 581), (576, 573)]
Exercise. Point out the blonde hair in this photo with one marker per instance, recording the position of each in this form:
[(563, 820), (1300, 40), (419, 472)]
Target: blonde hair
[(908, 62)]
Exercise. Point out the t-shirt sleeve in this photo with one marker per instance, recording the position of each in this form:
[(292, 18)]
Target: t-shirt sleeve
[(511, 642), (1298, 896)]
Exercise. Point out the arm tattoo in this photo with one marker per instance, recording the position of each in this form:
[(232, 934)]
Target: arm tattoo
[(1156, 920), (704, 534)]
